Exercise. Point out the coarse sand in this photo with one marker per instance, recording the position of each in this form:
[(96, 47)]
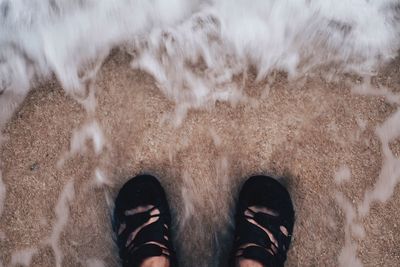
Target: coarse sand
[(318, 136)]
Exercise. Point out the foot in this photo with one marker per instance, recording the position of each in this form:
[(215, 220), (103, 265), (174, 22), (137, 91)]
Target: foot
[(141, 223), (264, 223)]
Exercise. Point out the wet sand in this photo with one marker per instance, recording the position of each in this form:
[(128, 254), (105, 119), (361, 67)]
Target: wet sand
[(59, 214)]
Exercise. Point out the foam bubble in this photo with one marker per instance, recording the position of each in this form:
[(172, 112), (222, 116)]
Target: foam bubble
[(348, 253), (2, 193), (100, 178), (93, 262), (389, 175), (188, 199), (23, 257), (215, 137), (366, 88), (342, 174), (62, 214), (2, 200), (90, 131)]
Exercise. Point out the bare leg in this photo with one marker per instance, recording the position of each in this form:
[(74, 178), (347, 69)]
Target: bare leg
[(160, 261), (248, 263)]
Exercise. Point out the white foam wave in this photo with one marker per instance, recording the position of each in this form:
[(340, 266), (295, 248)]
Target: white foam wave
[(192, 48)]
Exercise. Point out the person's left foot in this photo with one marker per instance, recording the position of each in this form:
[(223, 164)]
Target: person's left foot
[(141, 222), (264, 223)]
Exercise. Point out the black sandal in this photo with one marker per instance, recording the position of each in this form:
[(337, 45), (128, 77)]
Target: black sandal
[(141, 222), (264, 222)]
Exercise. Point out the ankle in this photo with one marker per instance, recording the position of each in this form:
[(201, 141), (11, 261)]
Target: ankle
[(159, 261)]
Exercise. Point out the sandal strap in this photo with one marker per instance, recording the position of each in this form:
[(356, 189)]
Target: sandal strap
[(273, 224), (250, 233), (149, 241), (132, 222), (153, 232)]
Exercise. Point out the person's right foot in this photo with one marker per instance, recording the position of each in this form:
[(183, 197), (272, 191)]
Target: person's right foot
[(142, 222), (264, 222)]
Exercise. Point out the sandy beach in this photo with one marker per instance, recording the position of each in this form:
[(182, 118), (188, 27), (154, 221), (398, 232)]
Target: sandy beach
[(321, 137)]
